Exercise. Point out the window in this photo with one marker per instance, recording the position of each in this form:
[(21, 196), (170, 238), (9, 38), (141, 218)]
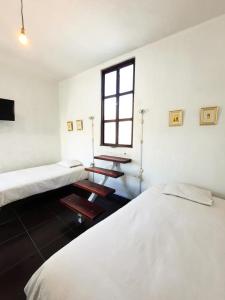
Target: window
[(118, 105)]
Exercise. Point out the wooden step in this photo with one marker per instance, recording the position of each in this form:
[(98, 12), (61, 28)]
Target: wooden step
[(93, 187), (116, 159), (82, 206), (106, 172)]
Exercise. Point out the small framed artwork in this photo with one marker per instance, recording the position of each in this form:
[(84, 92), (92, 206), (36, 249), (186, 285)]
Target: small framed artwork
[(176, 118), (209, 115), (70, 125), (79, 124)]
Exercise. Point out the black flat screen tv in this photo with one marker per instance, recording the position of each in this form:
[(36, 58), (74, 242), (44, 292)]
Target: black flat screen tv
[(7, 111)]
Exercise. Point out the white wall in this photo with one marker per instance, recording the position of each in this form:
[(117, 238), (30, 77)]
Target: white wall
[(184, 71), (33, 139)]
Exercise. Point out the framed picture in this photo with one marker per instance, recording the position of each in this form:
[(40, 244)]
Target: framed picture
[(70, 125), (209, 115), (79, 124), (176, 118)]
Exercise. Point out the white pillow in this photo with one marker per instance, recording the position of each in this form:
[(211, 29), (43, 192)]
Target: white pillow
[(69, 163), (189, 192)]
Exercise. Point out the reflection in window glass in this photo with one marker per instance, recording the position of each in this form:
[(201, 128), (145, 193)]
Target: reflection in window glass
[(126, 79), (125, 132), (110, 109), (110, 133), (110, 83), (126, 106)]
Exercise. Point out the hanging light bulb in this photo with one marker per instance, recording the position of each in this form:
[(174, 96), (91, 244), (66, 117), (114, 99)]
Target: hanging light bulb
[(22, 37)]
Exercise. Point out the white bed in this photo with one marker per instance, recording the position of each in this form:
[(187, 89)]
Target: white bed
[(157, 247), (27, 182)]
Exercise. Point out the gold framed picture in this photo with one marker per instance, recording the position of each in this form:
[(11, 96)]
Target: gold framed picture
[(70, 125), (209, 115), (79, 124), (176, 118)]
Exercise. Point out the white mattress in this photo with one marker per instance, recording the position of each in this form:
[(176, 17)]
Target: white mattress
[(27, 182), (157, 247)]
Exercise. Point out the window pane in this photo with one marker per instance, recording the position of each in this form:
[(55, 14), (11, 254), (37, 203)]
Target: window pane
[(126, 106), (125, 132), (126, 79), (110, 109), (110, 133), (110, 83)]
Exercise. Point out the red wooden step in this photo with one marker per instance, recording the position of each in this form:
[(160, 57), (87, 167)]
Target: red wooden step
[(117, 159), (93, 187), (106, 172), (82, 206)]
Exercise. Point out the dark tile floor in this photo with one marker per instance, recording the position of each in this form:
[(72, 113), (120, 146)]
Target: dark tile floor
[(33, 229)]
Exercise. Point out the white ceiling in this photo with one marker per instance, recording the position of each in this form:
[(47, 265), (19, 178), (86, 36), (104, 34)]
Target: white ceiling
[(70, 36)]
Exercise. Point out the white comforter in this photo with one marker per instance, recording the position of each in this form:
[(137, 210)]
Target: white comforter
[(27, 182), (158, 247)]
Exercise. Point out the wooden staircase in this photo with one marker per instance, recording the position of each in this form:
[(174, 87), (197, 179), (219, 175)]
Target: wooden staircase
[(82, 206), (106, 172), (86, 207), (116, 159), (99, 189)]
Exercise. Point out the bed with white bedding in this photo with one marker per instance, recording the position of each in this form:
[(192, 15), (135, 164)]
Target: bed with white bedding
[(20, 184), (158, 247)]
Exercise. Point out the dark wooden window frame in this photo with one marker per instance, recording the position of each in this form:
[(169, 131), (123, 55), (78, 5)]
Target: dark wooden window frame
[(117, 96)]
